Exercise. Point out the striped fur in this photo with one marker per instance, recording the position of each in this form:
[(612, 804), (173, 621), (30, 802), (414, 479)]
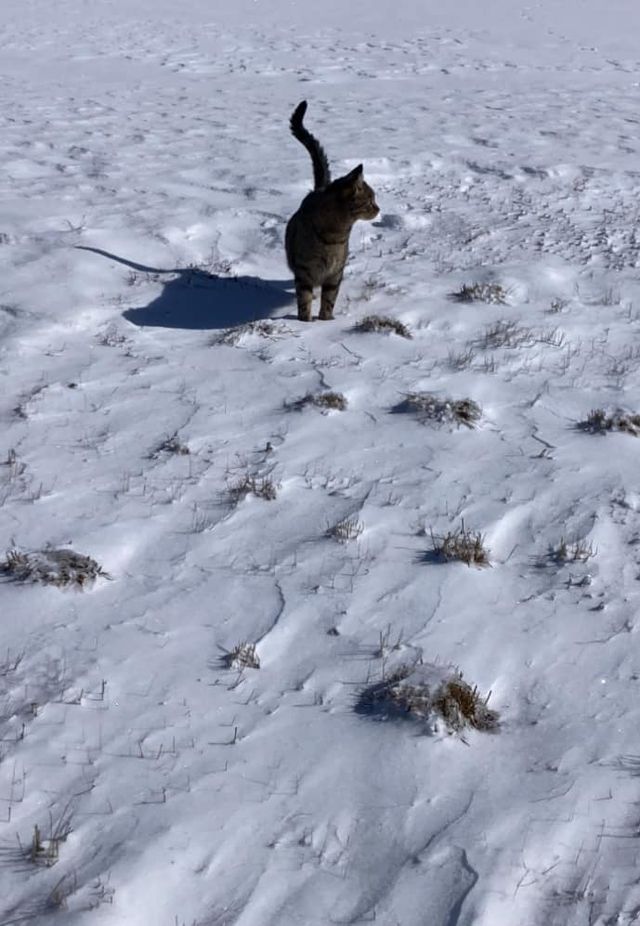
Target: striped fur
[(317, 235)]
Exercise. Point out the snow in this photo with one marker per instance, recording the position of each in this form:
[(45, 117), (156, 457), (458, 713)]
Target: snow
[(151, 361)]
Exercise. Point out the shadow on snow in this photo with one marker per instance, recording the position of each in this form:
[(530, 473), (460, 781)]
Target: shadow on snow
[(195, 299)]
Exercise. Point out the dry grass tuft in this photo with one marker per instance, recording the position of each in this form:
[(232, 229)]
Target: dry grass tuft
[(45, 852), (491, 293), (326, 401), (428, 407), (383, 323), (557, 305), (345, 530), (172, 445), (461, 360), (263, 488), (462, 706), (462, 545), (53, 567), (577, 551), (507, 333), (111, 337), (242, 656), (430, 695), (598, 422), (263, 328)]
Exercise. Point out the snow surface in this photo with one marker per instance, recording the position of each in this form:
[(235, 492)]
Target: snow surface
[(168, 787)]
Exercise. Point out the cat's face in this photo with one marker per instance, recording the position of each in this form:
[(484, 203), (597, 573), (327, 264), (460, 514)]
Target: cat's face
[(357, 195)]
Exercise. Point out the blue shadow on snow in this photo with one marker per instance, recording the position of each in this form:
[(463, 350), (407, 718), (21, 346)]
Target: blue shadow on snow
[(194, 299)]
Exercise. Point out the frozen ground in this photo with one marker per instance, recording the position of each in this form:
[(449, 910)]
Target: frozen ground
[(168, 786)]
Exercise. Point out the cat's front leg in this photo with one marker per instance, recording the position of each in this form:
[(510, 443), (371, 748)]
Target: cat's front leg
[(328, 298)]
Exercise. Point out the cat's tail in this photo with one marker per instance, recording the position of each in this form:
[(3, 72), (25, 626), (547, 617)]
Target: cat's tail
[(321, 172)]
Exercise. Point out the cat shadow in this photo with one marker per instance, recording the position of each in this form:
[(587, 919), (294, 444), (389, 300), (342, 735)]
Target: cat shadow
[(196, 300)]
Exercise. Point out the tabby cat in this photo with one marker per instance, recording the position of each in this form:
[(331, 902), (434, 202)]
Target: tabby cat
[(317, 236)]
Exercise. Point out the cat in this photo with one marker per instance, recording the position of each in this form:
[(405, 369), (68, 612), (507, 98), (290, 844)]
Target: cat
[(317, 235)]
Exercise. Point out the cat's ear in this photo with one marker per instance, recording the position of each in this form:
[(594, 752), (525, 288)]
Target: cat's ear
[(355, 176), (350, 182)]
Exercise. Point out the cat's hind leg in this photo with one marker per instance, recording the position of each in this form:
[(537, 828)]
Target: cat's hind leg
[(304, 295)]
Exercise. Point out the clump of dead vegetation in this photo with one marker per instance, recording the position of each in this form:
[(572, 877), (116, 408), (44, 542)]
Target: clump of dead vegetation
[(509, 334), (111, 337), (171, 445), (263, 328), (383, 323), (557, 305), (599, 422), (242, 656), (261, 486), (345, 530), (431, 695), (574, 551), (53, 567), (431, 408), (462, 545), (45, 851), (462, 359), (491, 293), (326, 401), (461, 705)]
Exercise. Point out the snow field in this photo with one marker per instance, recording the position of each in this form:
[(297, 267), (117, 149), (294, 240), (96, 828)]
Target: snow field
[(176, 789)]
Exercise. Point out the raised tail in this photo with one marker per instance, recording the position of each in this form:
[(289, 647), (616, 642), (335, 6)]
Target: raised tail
[(321, 172)]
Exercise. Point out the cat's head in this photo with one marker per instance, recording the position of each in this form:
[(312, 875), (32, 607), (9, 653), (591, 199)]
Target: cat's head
[(356, 195)]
